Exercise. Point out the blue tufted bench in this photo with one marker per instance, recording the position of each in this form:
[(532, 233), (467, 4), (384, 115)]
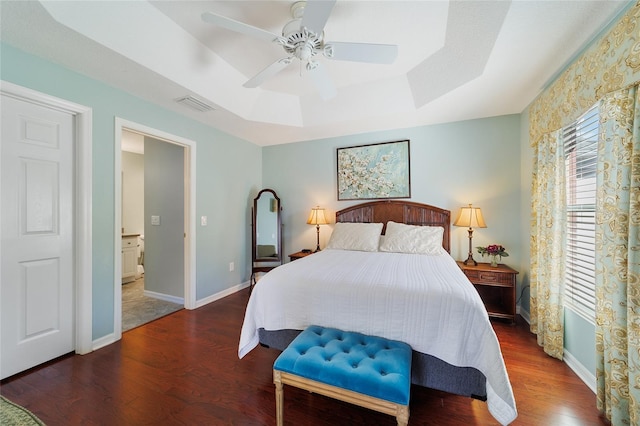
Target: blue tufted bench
[(368, 371)]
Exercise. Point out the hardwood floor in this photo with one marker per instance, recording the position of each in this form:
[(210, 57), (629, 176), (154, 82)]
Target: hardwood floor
[(183, 369)]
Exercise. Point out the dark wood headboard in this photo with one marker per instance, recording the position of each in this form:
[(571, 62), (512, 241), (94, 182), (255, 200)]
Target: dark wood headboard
[(401, 212)]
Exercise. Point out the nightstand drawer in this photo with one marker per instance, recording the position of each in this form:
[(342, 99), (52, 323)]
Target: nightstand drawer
[(496, 286), (487, 277)]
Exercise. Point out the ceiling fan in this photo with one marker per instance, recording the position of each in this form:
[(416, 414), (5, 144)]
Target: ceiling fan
[(303, 39)]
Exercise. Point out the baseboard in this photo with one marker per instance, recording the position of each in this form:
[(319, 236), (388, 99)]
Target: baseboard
[(524, 314), (221, 294), (165, 297), (585, 375), (103, 341)]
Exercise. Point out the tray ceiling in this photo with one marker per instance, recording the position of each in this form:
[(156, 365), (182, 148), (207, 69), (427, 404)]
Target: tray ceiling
[(457, 60)]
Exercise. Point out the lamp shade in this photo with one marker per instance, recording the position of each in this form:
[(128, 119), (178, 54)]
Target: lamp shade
[(470, 217), (317, 217)]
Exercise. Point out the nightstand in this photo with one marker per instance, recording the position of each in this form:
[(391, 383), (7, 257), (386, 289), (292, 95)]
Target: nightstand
[(496, 286), (299, 255)]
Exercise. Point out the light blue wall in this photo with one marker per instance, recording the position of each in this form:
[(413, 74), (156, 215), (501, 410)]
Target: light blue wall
[(229, 172), (476, 161), (580, 340)]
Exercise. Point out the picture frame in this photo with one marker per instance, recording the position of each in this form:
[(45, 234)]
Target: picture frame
[(374, 171)]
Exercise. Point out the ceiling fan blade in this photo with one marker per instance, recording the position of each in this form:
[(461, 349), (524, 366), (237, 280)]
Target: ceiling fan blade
[(316, 14), (362, 52), (322, 81), (239, 27), (268, 72)]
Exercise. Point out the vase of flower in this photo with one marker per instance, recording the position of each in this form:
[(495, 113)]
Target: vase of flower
[(494, 251)]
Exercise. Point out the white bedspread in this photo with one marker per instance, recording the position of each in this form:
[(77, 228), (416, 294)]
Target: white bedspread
[(425, 301)]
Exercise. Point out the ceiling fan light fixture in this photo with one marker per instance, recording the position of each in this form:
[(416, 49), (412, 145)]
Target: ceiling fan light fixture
[(304, 51), (303, 44)]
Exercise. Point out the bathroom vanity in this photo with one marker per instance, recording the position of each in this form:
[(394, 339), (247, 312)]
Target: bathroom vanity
[(130, 250)]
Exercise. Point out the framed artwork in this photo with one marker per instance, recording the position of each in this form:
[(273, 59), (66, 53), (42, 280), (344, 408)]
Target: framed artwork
[(376, 171)]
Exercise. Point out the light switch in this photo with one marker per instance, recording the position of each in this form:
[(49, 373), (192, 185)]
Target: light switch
[(203, 221), (155, 220)]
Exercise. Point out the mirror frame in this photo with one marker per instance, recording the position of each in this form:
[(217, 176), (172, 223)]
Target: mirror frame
[(254, 229)]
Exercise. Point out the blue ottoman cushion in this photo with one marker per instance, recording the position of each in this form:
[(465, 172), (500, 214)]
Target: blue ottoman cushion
[(370, 365)]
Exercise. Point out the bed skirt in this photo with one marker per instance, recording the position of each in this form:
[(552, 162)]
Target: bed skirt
[(426, 370)]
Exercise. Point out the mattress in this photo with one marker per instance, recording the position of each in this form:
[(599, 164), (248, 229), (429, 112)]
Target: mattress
[(423, 300)]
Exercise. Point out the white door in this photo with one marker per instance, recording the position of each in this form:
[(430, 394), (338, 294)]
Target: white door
[(37, 241)]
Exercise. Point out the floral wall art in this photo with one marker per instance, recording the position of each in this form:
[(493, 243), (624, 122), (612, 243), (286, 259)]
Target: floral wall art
[(374, 171)]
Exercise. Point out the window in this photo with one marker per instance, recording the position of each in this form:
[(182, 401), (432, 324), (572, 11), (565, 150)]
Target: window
[(581, 148)]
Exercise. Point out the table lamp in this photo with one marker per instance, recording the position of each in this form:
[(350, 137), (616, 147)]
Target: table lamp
[(471, 217), (317, 218)]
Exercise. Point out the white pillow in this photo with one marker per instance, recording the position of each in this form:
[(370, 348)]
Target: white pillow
[(401, 238), (355, 236)]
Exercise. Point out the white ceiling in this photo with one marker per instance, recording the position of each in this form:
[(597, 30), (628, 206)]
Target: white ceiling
[(457, 60)]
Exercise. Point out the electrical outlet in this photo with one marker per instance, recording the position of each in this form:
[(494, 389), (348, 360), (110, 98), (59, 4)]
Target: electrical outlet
[(155, 220), (203, 221), (232, 266)]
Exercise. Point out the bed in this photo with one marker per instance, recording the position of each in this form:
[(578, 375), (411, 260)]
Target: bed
[(403, 285)]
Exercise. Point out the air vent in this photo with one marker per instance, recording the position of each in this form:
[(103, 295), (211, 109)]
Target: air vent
[(195, 103)]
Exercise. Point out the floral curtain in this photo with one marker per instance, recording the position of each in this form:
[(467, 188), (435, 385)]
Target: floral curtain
[(548, 236), (609, 64), (618, 258), (604, 72)]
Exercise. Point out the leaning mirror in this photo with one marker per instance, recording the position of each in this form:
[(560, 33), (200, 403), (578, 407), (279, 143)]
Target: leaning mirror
[(267, 226), (266, 232)]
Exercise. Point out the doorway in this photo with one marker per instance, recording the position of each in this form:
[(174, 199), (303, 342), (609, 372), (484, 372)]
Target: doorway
[(146, 297), (170, 230)]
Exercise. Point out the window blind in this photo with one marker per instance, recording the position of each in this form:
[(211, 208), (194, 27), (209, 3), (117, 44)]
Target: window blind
[(581, 150)]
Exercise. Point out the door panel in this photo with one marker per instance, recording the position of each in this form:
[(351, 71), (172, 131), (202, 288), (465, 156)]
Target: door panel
[(37, 281), (39, 286), (39, 195)]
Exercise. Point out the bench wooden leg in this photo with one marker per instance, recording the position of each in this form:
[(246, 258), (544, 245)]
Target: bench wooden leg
[(279, 397), (403, 415)]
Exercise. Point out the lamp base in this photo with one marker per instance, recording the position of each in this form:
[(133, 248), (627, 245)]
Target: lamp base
[(318, 238), (470, 261)]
